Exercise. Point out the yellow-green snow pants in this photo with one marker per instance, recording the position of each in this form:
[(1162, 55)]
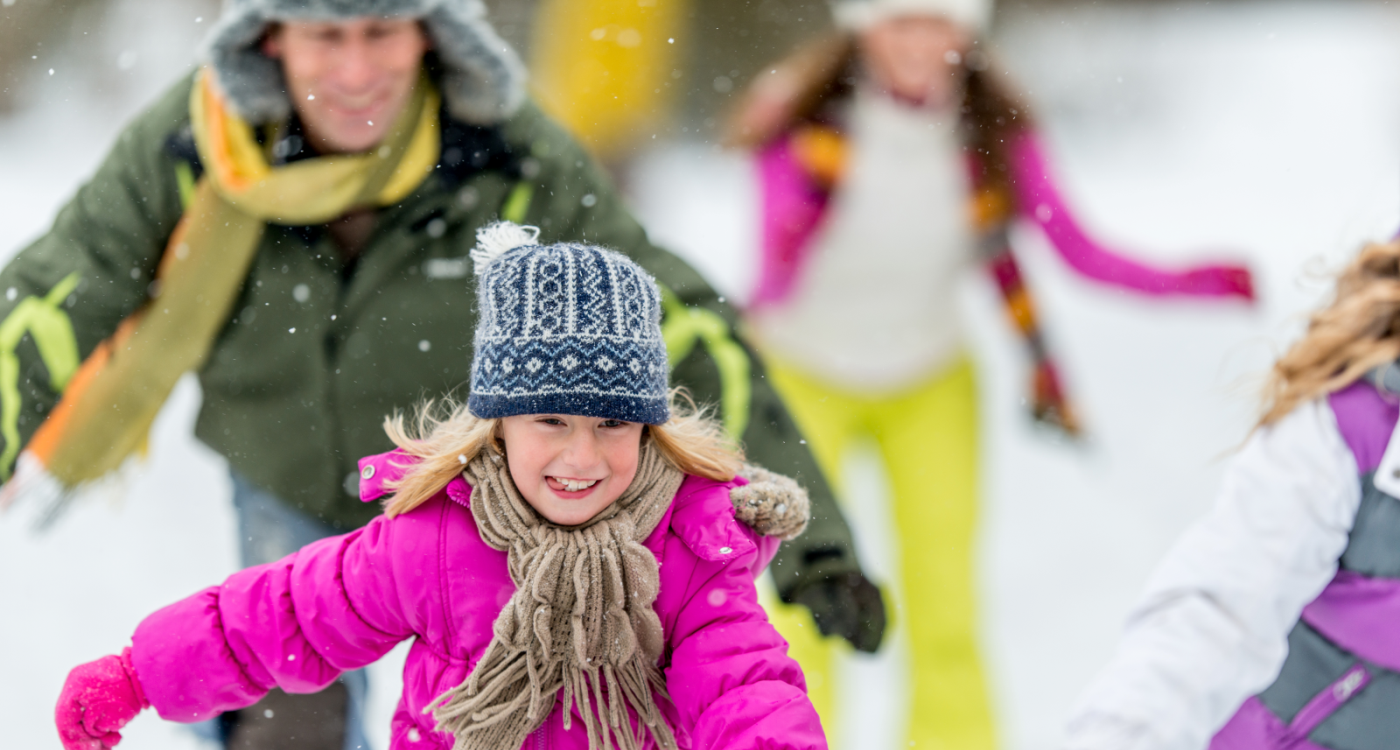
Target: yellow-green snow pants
[(928, 442)]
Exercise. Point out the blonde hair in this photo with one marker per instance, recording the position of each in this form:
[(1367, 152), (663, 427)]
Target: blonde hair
[(445, 436), (1359, 330)]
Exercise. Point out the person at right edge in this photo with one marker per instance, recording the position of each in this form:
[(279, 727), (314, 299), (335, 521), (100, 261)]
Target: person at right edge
[(893, 156), (1274, 622)]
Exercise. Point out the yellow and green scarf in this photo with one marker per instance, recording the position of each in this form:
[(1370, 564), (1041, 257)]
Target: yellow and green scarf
[(110, 402)]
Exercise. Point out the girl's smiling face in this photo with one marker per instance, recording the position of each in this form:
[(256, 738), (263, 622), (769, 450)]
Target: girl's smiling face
[(570, 468)]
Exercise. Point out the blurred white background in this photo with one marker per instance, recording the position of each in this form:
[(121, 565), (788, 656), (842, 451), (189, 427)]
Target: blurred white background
[(1268, 131)]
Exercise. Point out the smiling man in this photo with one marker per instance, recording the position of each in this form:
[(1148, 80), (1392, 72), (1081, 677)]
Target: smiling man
[(293, 222), (363, 69)]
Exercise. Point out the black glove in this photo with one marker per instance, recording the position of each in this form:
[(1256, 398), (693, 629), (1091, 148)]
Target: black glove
[(848, 605)]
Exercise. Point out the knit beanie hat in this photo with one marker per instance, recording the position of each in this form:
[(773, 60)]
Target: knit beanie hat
[(483, 79), (855, 15), (565, 329)]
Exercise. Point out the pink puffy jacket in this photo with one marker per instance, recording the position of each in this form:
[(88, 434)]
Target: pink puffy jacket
[(343, 602)]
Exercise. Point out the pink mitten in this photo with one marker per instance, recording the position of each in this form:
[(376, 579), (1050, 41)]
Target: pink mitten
[(1222, 280), (98, 698)]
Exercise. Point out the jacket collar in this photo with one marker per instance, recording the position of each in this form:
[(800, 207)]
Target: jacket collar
[(701, 514)]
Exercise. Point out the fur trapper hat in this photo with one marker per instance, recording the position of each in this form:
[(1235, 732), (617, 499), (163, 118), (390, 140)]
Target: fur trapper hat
[(855, 15), (483, 80)]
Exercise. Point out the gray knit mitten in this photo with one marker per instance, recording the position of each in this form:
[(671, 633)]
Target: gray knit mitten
[(771, 504)]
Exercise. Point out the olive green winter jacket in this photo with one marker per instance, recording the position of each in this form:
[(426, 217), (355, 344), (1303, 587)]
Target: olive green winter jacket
[(316, 352)]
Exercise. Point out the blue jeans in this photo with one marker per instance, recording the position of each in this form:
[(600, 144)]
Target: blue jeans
[(269, 530)]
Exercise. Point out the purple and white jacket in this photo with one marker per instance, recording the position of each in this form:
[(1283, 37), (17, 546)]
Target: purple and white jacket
[(1275, 621)]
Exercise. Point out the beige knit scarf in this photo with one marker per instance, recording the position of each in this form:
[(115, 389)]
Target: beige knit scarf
[(581, 618)]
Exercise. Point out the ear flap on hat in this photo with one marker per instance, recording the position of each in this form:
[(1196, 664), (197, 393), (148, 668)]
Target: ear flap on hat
[(485, 79), (252, 81)]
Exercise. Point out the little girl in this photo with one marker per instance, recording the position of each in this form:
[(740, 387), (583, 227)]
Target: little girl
[(1275, 621), (564, 550)]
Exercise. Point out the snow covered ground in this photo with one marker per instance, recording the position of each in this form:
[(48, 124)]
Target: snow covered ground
[(1263, 130)]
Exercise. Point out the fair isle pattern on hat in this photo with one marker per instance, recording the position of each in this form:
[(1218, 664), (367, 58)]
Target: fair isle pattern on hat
[(856, 15), (483, 80), (567, 329)]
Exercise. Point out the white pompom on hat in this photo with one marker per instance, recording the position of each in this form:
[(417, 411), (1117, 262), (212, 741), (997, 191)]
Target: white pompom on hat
[(855, 15)]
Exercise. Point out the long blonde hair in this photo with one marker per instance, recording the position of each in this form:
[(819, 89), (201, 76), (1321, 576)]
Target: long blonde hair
[(1359, 330), (445, 436)]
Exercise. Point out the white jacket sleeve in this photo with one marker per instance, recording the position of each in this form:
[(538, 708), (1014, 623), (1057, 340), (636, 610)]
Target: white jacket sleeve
[(1212, 628)]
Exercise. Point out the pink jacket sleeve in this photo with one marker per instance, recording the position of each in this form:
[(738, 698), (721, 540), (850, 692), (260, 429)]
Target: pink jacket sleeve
[(792, 209), (295, 624), (1041, 202), (730, 677)]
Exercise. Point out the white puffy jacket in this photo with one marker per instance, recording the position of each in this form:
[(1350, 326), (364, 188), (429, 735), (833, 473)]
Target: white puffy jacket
[(1211, 629)]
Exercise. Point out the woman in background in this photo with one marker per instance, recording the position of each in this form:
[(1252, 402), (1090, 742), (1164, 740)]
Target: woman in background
[(892, 157)]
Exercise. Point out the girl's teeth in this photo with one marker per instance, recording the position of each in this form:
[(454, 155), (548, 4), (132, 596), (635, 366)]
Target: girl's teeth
[(572, 486)]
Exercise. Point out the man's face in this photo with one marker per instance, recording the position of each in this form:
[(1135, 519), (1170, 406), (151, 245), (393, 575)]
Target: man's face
[(348, 80)]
